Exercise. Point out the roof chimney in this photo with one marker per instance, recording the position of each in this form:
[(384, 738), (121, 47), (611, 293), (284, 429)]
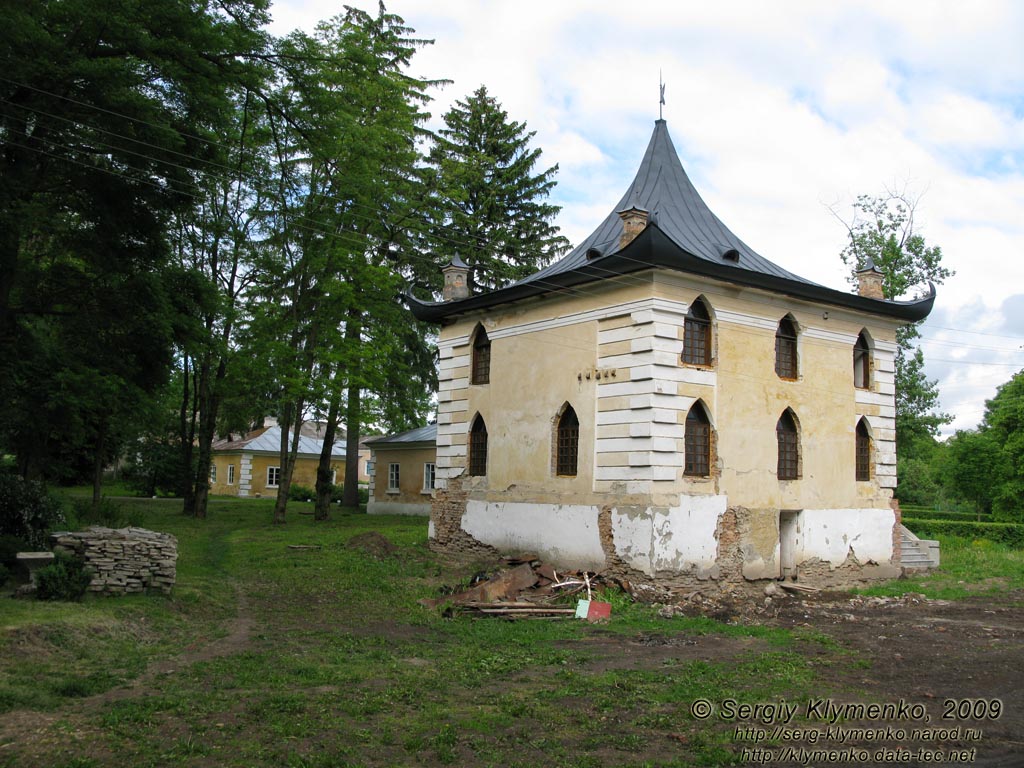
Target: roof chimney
[(633, 222), (869, 280), (456, 280)]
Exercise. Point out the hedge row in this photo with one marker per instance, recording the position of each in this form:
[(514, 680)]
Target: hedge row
[(1011, 534), (925, 513)]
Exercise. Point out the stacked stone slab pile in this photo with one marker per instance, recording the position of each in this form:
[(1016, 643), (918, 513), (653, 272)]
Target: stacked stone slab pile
[(124, 560)]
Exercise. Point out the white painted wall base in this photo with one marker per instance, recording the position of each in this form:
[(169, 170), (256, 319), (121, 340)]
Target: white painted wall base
[(564, 534), (397, 508), (831, 535), (678, 539)]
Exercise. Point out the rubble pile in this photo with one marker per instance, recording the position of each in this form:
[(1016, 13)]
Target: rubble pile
[(123, 560), (529, 589)]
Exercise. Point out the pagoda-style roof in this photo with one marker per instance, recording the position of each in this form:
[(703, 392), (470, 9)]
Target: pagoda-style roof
[(682, 234)]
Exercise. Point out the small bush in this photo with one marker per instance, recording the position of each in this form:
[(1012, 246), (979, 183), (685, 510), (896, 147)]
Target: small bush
[(27, 510), (107, 513), (5, 574), (338, 493), (66, 579), (1011, 534), (10, 546), (301, 493), (924, 513)]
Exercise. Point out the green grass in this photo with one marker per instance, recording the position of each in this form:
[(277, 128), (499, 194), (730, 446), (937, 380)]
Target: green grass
[(968, 567), (270, 656)]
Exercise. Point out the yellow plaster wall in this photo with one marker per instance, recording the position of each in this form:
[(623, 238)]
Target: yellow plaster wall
[(221, 461), (304, 474), (534, 373), (410, 474), (532, 377)]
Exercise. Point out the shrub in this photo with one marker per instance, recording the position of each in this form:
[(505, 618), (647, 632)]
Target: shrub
[(5, 574), (10, 546), (1011, 534), (66, 578), (922, 513), (301, 493), (338, 493), (107, 513), (27, 510)]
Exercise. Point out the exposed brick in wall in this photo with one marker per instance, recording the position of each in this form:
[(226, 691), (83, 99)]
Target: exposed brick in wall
[(124, 560), (734, 533), (446, 511), (897, 534)]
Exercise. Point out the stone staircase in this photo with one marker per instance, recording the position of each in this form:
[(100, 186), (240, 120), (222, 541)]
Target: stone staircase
[(917, 554)]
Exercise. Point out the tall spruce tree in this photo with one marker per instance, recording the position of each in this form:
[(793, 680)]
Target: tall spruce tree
[(490, 194)]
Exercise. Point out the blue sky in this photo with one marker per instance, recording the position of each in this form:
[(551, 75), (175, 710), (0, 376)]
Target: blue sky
[(780, 111)]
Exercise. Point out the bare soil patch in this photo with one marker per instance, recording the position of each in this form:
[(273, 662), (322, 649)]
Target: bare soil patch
[(928, 651), (875, 650)]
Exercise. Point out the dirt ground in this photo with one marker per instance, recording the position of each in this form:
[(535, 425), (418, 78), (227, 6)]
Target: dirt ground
[(933, 652), (931, 657)]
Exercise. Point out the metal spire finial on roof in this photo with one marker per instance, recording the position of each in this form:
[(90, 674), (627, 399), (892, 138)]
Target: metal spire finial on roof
[(661, 94)]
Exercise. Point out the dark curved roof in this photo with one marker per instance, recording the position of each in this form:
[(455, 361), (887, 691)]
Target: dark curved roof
[(682, 234)]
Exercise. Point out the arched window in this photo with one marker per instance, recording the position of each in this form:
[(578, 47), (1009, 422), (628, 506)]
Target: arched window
[(567, 443), (863, 451), (481, 373), (478, 447), (788, 435), (785, 348), (697, 443), (697, 335), (862, 362)]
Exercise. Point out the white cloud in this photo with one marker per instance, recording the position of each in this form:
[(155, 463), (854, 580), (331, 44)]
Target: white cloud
[(778, 112)]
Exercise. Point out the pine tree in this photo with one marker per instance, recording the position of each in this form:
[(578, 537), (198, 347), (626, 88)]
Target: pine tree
[(492, 210)]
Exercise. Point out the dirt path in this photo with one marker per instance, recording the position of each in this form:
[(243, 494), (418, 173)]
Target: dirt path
[(935, 652), (25, 728)]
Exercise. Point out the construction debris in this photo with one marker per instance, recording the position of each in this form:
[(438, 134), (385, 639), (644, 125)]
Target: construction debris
[(792, 586), (529, 590)]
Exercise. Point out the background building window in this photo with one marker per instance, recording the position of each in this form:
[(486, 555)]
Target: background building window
[(697, 335), (789, 447), (567, 443), (861, 363), (393, 477), (213, 473), (429, 471), (785, 349), (697, 443), (863, 452), (478, 447), (231, 474), (273, 477), (481, 357)]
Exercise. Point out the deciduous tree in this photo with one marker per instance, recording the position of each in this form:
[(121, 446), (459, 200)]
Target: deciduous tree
[(882, 232)]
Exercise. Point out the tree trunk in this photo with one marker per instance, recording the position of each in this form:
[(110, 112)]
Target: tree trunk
[(186, 434), (353, 415), (97, 467), (288, 454), (324, 484), (209, 407)]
